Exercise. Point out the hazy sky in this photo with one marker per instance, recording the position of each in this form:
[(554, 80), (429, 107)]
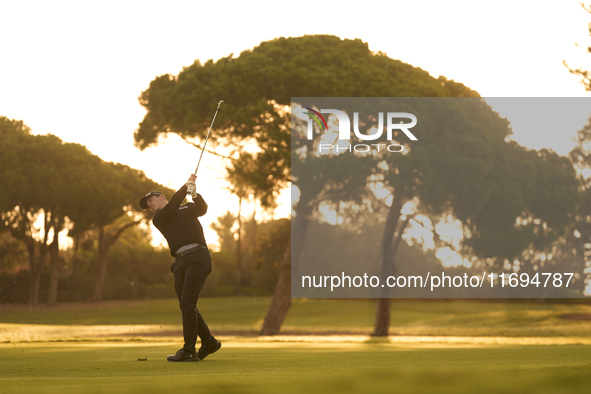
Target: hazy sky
[(76, 68)]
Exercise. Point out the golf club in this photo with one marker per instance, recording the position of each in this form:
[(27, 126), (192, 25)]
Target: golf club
[(192, 187)]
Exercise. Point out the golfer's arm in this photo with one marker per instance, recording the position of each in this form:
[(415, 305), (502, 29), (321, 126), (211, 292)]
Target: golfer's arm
[(199, 207), (174, 203)]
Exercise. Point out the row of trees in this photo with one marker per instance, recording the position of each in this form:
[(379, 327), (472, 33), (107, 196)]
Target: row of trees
[(464, 167), (49, 186), (134, 270), (137, 270), (52, 189), (250, 252)]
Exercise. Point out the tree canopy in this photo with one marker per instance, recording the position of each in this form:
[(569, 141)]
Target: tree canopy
[(259, 84), (41, 176)]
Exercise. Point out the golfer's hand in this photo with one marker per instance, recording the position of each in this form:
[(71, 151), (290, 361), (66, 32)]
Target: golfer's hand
[(191, 185)]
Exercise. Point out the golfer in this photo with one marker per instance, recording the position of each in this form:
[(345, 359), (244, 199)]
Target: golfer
[(181, 228)]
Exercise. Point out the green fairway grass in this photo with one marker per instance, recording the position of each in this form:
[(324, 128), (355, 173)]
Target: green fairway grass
[(325, 347), (250, 367), (408, 317)]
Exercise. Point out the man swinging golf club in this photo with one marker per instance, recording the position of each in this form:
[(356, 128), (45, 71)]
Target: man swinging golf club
[(180, 226)]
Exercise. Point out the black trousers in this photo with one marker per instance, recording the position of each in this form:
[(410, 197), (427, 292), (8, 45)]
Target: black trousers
[(190, 272)]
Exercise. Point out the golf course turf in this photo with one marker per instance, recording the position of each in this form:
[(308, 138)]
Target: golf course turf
[(472, 357)]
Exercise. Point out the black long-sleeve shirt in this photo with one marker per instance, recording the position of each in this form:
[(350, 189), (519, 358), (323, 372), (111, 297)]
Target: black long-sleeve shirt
[(178, 223)]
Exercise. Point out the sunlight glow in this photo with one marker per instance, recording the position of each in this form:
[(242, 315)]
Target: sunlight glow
[(83, 87)]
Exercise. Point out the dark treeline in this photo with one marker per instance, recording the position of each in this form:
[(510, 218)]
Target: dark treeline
[(137, 270), (48, 186)]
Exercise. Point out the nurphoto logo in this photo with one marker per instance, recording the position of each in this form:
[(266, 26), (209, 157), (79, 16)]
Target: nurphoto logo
[(395, 121)]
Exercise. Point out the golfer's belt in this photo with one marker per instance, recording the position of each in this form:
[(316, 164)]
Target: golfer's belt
[(186, 249)]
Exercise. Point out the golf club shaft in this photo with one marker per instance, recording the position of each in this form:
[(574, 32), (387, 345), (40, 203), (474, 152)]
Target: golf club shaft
[(206, 138)]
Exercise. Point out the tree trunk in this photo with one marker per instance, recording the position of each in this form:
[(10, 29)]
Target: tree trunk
[(239, 249), (53, 266), (300, 228), (252, 247), (281, 301), (103, 249), (34, 286), (37, 264), (105, 242), (382, 322)]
